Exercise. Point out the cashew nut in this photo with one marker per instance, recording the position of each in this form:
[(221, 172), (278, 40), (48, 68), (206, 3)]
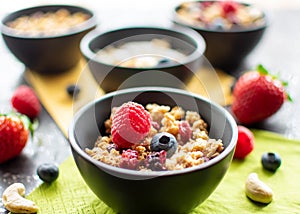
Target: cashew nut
[(258, 190), (14, 201)]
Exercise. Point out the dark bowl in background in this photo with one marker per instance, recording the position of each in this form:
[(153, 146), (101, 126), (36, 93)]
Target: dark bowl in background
[(226, 49), (47, 54), (114, 77), (130, 191)]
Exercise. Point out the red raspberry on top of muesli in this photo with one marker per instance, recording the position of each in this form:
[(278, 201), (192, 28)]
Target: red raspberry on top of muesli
[(130, 125)]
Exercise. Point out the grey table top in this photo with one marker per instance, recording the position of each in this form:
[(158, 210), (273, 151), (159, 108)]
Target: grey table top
[(279, 50)]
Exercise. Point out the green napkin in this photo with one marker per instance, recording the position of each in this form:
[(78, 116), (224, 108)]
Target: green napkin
[(69, 194)]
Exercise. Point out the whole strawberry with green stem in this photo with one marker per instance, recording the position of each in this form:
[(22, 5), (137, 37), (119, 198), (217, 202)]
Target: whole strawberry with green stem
[(15, 130), (257, 95)]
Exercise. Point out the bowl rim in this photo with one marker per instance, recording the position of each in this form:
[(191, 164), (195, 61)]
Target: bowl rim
[(187, 32), (86, 25), (176, 20), (146, 174)]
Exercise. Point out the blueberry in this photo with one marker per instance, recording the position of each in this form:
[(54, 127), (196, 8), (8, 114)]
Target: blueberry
[(271, 161), (73, 90), (218, 24), (164, 141), (164, 61), (48, 172)]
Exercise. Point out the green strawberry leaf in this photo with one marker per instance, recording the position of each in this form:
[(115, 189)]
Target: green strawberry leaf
[(31, 125), (289, 98), (284, 83), (262, 70)]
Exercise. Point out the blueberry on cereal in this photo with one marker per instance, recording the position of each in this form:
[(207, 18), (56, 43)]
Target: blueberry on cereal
[(164, 141)]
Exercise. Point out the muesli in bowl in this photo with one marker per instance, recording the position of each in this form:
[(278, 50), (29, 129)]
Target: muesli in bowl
[(141, 54), (231, 29), (50, 23), (46, 38), (220, 15), (156, 138), (166, 191)]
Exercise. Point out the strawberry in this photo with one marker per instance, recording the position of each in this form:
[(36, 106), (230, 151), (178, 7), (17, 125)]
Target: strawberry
[(257, 95), (14, 133), (245, 143), (130, 124), (25, 101)]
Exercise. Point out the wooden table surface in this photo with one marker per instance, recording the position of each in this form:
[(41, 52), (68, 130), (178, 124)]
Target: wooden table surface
[(279, 51)]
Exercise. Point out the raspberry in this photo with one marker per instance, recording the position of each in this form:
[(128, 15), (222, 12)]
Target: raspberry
[(245, 143), (25, 101), (185, 131), (229, 7), (129, 159), (205, 4), (130, 124)]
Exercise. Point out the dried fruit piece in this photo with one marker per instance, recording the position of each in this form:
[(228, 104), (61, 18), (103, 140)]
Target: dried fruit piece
[(185, 131), (156, 160), (130, 124), (129, 159)]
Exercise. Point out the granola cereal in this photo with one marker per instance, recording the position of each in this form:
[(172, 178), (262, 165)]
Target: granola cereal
[(141, 54), (47, 23), (184, 131), (220, 15)]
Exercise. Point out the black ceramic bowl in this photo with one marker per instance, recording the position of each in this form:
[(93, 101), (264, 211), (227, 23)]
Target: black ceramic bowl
[(226, 49), (130, 191), (47, 53), (112, 77)]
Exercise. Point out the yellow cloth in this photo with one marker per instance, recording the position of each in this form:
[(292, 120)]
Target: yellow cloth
[(70, 195), (51, 90)]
